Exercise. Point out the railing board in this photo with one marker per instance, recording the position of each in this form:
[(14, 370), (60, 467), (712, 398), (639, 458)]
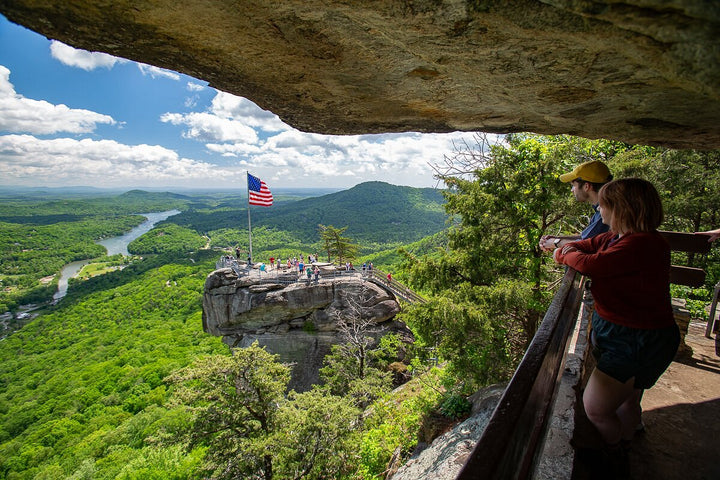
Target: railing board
[(689, 276), (687, 242)]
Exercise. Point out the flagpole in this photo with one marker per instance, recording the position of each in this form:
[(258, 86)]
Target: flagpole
[(248, 209)]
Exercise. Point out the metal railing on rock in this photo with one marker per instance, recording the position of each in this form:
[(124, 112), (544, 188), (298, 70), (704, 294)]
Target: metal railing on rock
[(280, 274), (401, 291)]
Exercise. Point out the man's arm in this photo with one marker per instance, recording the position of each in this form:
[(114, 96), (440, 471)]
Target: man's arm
[(549, 243)]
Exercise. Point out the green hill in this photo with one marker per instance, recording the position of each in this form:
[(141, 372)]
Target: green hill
[(374, 212)]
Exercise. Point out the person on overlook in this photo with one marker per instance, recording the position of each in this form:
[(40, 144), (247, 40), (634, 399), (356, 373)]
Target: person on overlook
[(585, 180), (317, 274), (389, 278), (634, 334)]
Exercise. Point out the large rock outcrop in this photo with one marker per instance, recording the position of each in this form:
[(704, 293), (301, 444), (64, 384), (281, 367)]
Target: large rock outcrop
[(642, 71), (297, 321)]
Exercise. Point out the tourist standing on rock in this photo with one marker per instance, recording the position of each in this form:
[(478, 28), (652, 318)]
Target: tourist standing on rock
[(389, 278), (317, 274), (585, 180), (634, 335)]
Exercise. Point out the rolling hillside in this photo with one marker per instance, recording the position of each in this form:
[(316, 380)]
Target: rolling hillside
[(373, 212)]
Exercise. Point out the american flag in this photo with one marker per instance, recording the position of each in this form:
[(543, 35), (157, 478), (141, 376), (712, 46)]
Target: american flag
[(258, 192)]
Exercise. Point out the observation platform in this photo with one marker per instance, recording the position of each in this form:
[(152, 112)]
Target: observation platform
[(682, 417)]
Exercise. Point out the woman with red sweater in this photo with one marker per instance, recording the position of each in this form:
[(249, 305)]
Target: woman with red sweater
[(634, 334)]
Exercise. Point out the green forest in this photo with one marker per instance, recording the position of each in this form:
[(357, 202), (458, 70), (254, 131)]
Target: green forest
[(118, 380)]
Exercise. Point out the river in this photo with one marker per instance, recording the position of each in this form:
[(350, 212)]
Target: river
[(113, 245)]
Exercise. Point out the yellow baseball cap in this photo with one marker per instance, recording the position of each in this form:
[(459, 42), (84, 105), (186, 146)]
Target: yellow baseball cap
[(593, 172)]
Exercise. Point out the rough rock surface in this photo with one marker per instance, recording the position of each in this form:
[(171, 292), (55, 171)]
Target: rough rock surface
[(297, 321), (642, 71), (447, 454)]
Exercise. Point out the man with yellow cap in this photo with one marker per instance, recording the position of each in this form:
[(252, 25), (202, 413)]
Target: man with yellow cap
[(585, 180)]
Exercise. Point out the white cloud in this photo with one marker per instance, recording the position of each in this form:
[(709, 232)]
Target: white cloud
[(195, 87), (74, 57), (26, 160), (291, 157), (157, 72), (206, 127), (242, 110), (20, 114)]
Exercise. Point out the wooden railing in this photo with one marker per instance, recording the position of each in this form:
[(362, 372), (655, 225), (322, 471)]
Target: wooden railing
[(692, 244), (508, 446)]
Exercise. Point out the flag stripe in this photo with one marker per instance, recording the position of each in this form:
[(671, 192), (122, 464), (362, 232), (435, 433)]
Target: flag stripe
[(258, 192)]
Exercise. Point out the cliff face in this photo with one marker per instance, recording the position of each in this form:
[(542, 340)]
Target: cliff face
[(297, 321), (638, 71)]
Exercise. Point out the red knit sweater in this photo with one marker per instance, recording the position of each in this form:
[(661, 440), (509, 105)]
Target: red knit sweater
[(630, 277)]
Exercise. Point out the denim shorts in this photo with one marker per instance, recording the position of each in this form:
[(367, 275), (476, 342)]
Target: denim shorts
[(625, 352)]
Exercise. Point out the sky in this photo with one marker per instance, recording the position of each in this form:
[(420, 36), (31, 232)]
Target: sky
[(71, 117)]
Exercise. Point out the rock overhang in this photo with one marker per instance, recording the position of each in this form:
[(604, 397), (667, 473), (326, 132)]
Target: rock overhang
[(641, 72)]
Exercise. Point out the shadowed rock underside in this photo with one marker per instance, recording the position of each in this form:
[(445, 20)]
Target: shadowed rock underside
[(638, 71)]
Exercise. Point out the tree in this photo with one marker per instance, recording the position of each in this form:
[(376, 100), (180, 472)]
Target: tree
[(492, 275), (235, 400), (336, 245), (354, 367), (318, 438), (252, 430)]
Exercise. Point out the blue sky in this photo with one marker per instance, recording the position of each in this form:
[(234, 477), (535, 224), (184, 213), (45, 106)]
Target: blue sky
[(74, 118)]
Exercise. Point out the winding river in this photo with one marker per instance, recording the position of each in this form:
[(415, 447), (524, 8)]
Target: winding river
[(114, 245)]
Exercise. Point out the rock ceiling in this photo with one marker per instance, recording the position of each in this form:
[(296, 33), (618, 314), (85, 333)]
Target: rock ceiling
[(640, 71)]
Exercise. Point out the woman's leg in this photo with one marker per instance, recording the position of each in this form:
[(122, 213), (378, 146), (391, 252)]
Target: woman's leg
[(603, 398), (630, 413)]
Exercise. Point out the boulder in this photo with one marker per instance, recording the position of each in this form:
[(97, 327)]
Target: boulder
[(298, 320)]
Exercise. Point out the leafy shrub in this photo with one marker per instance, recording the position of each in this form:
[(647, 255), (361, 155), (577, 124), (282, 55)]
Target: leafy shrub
[(455, 406), (696, 299)]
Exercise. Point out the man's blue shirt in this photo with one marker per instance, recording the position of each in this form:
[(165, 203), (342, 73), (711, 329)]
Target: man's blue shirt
[(595, 227)]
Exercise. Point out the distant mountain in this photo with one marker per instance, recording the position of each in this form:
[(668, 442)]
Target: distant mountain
[(372, 211), (145, 195)]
